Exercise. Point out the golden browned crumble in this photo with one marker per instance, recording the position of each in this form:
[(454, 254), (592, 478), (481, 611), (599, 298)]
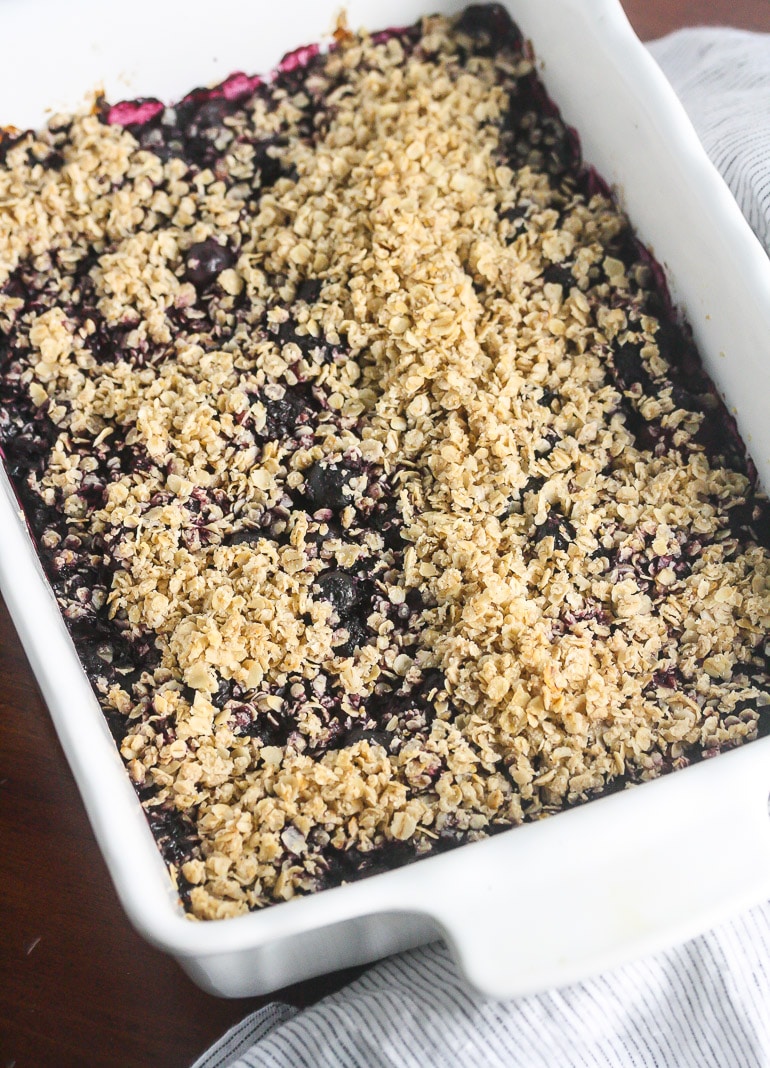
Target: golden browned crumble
[(384, 499)]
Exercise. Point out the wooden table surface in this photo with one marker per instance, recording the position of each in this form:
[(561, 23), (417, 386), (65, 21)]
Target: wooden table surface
[(78, 987)]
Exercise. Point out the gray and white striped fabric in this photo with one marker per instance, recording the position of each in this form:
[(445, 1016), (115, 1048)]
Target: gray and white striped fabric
[(722, 77), (701, 1005), (705, 1004)]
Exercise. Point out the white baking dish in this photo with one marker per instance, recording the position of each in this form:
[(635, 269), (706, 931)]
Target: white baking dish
[(549, 902)]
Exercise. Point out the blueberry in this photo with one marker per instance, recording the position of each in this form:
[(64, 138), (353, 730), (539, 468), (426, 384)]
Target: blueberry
[(205, 261), (516, 214), (391, 535), (433, 682), (527, 95), (154, 139), (223, 693), (245, 536), (414, 600), (625, 247), (273, 727), (630, 369), (582, 615), (269, 166), (211, 113), (296, 406), (241, 718), (560, 274), (340, 589), (558, 527), (751, 520), (712, 437), (7, 141), (365, 734), (671, 341), (358, 634), (534, 485), (382, 707), (564, 151), (309, 290), (682, 398), (54, 161), (548, 443), (490, 26), (669, 679), (388, 522), (342, 865), (198, 123), (174, 832), (325, 485)]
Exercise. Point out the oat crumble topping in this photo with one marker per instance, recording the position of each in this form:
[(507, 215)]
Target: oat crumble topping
[(385, 500)]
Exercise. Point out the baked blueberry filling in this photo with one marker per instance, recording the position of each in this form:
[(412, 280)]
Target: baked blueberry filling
[(382, 491)]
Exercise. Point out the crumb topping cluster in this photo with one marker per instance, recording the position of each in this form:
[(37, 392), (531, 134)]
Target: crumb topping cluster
[(386, 501)]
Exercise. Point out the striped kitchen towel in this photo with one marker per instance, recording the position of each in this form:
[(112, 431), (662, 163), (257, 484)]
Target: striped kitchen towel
[(722, 77), (704, 1004), (700, 1005)]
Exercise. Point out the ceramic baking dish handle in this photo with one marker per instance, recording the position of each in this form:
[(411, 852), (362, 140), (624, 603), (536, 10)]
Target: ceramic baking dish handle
[(626, 875)]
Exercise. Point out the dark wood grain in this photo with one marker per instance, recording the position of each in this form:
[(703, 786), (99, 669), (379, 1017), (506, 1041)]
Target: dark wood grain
[(78, 987), (653, 18)]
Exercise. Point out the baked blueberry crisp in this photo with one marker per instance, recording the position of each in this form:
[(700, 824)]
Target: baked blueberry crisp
[(383, 494)]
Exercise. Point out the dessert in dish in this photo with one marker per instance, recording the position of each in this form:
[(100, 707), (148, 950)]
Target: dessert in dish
[(384, 497)]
